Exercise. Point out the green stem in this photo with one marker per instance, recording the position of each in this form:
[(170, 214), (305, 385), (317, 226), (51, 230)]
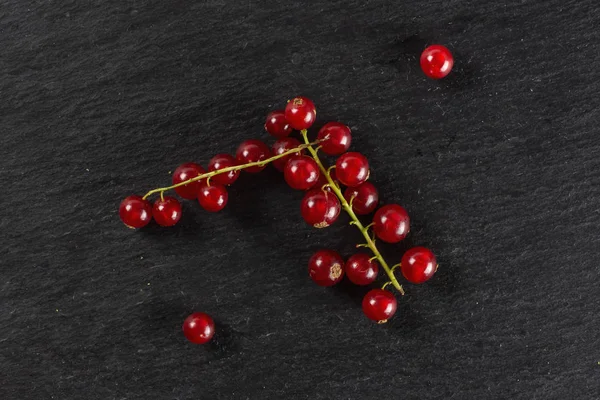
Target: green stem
[(355, 221), (209, 175)]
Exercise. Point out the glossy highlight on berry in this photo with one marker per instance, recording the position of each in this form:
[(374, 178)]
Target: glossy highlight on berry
[(352, 169), (300, 112), (320, 208), (251, 151), (379, 305), (335, 138), (364, 198), (418, 265), (301, 172), (199, 328), (213, 197), (135, 212), (221, 161), (436, 61), (167, 211), (391, 223)]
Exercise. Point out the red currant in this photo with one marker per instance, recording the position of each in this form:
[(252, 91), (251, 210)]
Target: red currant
[(135, 212), (379, 305), (167, 211), (436, 61), (183, 173), (320, 208), (199, 328), (301, 172), (280, 147), (213, 197), (391, 223), (221, 161), (252, 151), (337, 138), (418, 265), (365, 197), (326, 267), (352, 169), (277, 125), (361, 270), (300, 112)]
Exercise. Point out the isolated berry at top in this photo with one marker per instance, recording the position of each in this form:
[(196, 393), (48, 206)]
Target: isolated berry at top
[(300, 112), (167, 211), (379, 305), (320, 208), (418, 265), (336, 138), (183, 173), (252, 150), (391, 223), (301, 172), (436, 61), (364, 198), (352, 169), (135, 212), (199, 328), (326, 267), (280, 147), (221, 161), (277, 125)]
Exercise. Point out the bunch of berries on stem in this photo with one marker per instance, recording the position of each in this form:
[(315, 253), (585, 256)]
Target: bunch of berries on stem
[(328, 190)]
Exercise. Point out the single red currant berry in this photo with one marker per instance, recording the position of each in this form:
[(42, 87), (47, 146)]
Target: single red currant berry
[(135, 212), (280, 147), (199, 328), (221, 161), (336, 138), (300, 112), (322, 182), (361, 270), (212, 197), (364, 198), (379, 305), (326, 267), (391, 223), (320, 208), (352, 169), (301, 172), (418, 265), (277, 125), (186, 172), (252, 151), (436, 61), (167, 211)]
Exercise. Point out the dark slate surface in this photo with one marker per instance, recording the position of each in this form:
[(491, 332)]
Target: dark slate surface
[(497, 165)]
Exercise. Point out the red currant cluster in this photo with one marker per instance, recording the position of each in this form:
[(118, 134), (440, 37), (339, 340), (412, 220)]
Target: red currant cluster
[(320, 206)]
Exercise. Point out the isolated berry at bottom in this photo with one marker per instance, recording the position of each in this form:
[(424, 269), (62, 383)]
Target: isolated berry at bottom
[(361, 270), (364, 197), (320, 208), (418, 265), (167, 211), (379, 305), (135, 212), (300, 112), (280, 147), (199, 328), (277, 125), (301, 172), (326, 267), (183, 173), (352, 169), (391, 223), (221, 161), (336, 138), (212, 197), (250, 151)]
